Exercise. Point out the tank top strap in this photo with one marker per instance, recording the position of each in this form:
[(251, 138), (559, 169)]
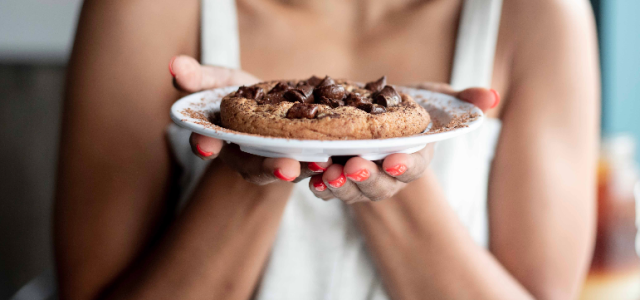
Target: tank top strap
[(219, 33), (476, 44)]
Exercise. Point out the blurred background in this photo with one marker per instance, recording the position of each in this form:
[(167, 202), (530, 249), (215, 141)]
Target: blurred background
[(35, 42)]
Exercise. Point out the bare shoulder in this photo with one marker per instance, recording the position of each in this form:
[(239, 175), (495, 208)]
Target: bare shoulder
[(552, 43), (544, 21)]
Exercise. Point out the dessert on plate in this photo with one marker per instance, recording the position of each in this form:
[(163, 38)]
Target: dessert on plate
[(323, 109)]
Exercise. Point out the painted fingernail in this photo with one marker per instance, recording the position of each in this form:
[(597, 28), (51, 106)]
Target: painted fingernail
[(397, 170), (319, 186), (496, 95), (361, 175), (202, 152), (280, 176), (315, 167), (171, 66), (338, 182)]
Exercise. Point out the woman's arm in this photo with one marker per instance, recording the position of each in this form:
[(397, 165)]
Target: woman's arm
[(542, 188), (115, 177)]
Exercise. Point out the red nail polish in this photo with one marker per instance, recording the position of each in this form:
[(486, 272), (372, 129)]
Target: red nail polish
[(282, 177), (361, 175), (338, 182), (171, 66), (202, 152), (497, 96), (315, 167), (319, 186), (397, 170)]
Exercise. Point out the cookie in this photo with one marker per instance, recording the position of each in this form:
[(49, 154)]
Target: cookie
[(323, 109)]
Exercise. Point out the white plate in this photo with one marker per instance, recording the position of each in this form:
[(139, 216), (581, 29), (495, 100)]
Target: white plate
[(441, 107)]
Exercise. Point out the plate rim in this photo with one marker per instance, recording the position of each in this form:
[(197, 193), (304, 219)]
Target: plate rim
[(246, 139)]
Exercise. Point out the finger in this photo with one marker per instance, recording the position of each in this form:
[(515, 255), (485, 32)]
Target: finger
[(340, 187), (285, 169), (408, 167), (190, 76), (319, 188), (374, 184), (483, 98), (257, 169), (205, 147), (309, 169)]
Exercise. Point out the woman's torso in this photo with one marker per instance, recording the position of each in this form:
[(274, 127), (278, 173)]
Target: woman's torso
[(318, 253)]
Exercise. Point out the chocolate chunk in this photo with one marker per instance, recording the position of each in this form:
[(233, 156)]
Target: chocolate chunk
[(355, 99), (372, 108), (294, 96), (387, 97), (313, 81), (250, 92), (334, 103), (303, 93), (280, 87), (333, 92), (302, 110), (378, 109), (272, 98), (376, 86), (326, 82)]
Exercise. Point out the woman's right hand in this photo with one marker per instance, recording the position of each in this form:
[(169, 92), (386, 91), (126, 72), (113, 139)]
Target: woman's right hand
[(189, 76)]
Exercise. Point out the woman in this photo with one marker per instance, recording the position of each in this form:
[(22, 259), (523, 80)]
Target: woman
[(430, 238)]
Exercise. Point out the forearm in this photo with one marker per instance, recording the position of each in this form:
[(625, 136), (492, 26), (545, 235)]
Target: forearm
[(424, 252), (217, 247)]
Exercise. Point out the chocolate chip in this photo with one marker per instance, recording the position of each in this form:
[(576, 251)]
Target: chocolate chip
[(280, 87), (334, 103), (303, 93), (302, 110), (372, 108), (377, 109), (313, 81), (355, 99), (376, 86), (250, 92), (332, 92), (272, 98), (387, 97), (366, 107), (326, 82), (294, 96)]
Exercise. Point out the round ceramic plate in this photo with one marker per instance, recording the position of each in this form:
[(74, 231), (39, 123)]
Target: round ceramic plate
[(450, 117)]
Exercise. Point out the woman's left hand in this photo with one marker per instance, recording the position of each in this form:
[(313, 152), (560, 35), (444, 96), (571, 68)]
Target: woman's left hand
[(360, 180)]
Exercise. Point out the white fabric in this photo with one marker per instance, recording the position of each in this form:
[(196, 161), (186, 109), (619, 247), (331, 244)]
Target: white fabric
[(476, 44), (219, 30), (319, 252)]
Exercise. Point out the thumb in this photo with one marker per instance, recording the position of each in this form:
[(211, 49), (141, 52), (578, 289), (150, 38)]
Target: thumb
[(484, 99), (190, 76)]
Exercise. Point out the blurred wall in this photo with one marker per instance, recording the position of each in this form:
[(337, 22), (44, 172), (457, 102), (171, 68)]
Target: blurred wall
[(37, 30), (620, 47), (35, 41)]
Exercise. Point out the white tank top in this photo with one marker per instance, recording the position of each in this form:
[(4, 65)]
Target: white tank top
[(319, 252)]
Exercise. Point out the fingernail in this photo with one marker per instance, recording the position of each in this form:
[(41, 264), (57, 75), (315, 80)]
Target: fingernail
[(280, 176), (338, 182), (202, 152), (315, 167), (171, 66), (361, 175), (397, 170), (496, 95), (319, 186)]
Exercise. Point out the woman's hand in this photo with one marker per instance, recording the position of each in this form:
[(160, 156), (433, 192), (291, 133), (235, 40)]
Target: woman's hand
[(362, 180), (189, 76)]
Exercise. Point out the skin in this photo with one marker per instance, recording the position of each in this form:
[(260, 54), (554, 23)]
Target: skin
[(116, 236)]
